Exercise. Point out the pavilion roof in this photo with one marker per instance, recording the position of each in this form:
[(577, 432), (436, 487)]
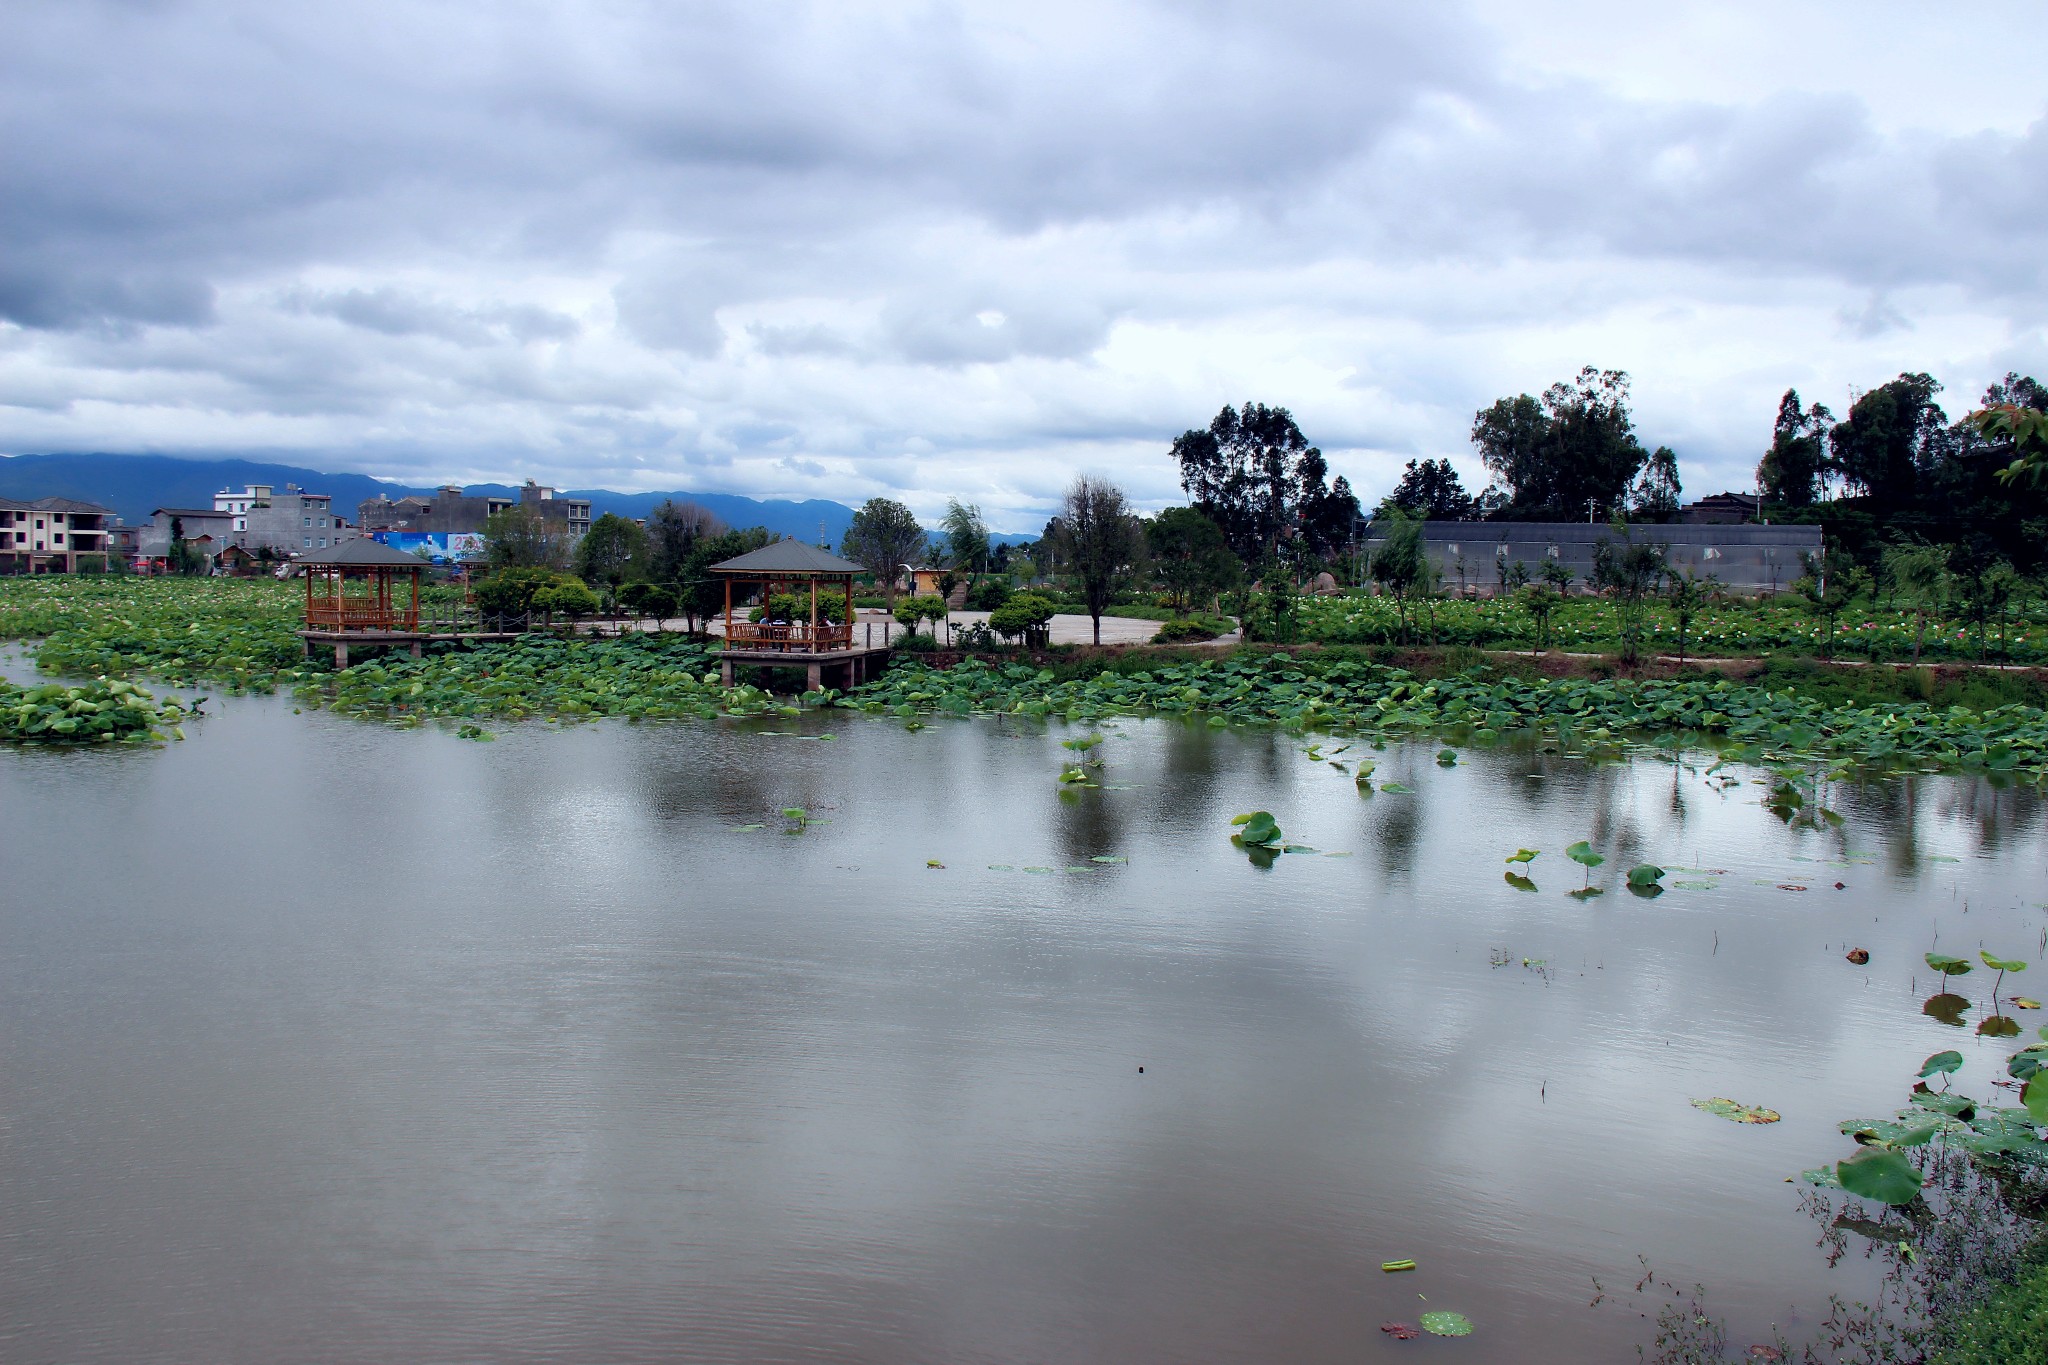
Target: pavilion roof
[(792, 557)]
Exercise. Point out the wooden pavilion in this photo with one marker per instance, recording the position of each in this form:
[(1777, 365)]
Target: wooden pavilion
[(815, 577), (350, 587)]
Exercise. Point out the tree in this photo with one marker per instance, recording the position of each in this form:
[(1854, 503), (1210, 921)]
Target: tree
[(1891, 439), (181, 556), (1098, 541), (520, 538), (911, 610), (1828, 593), (1399, 564), (1256, 476), (1628, 570), (966, 536), (673, 531), (1539, 600), (1574, 448), (883, 538), (701, 594), (611, 551), (1919, 577), (1790, 471), (1024, 614), (1431, 489), (1193, 561), (1686, 595), (1655, 494)]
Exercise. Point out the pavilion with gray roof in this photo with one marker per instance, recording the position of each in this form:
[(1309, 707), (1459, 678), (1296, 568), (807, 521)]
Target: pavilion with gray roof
[(774, 633)]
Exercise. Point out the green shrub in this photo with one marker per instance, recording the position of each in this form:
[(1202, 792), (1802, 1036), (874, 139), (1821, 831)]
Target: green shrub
[(2011, 1326), (1023, 613), (911, 610), (988, 594), (1186, 628), (794, 606), (917, 644), (567, 596)]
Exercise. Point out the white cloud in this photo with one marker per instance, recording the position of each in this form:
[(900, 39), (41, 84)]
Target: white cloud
[(970, 249)]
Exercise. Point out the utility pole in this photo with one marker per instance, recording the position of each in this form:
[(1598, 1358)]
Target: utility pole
[(1591, 503)]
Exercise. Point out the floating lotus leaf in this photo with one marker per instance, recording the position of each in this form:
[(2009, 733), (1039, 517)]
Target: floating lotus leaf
[(1739, 1113), (2022, 1002), (1257, 829), (1881, 1174), (1941, 1064), (1447, 758), (1397, 788), (1446, 1324), (1645, 874), (1999, 1026)]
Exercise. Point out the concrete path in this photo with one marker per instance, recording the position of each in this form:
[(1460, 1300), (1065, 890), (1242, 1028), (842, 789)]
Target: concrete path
[(1065, 629)]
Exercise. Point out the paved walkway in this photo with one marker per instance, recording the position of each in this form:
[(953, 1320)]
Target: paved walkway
[(1065, 629)]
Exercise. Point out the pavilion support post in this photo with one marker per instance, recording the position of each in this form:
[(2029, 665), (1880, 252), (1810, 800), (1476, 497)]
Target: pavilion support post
[(725, 672), (814, 626), (416, 649), (728, 625), (815, 677), (340, 656)]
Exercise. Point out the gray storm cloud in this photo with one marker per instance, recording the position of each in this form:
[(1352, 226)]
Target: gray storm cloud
[(821, 250)]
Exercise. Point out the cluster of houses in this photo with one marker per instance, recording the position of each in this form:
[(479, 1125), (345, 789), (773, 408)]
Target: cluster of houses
[(258, 528)]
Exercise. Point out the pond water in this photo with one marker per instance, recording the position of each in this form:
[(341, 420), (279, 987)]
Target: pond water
[(325, 1041)]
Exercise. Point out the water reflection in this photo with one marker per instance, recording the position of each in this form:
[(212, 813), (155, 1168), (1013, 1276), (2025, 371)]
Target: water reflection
[(569, 1065)]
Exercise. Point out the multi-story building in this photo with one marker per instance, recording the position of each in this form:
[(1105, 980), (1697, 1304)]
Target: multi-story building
[(288, 523), (450, 511), (52, 535)]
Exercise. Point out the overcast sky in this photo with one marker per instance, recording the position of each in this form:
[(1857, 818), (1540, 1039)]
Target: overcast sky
[(923, 250)]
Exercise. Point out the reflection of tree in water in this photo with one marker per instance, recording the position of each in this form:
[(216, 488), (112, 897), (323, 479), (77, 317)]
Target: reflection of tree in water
[(1891, 808), (1996, 806), (1094, 823)]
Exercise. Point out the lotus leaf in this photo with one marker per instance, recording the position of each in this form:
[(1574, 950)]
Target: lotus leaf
[(1446, 1324), (1645, 874), (1523, 855), (1583, 854), (1948, 966), (1941, 1064), (2001, 964), (1881, 1174), (1257, 829), (1739, 1113)]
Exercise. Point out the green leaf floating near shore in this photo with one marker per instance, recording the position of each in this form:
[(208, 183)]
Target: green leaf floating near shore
[(1446, 1324)]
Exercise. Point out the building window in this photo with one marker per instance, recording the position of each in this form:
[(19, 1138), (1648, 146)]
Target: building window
[(309, 542)]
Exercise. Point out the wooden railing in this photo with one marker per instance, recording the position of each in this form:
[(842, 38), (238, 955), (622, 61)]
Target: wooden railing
[(358, 613), (795, 638)]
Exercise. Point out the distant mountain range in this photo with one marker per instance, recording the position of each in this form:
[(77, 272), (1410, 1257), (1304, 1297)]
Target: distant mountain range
[(136, 485)]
